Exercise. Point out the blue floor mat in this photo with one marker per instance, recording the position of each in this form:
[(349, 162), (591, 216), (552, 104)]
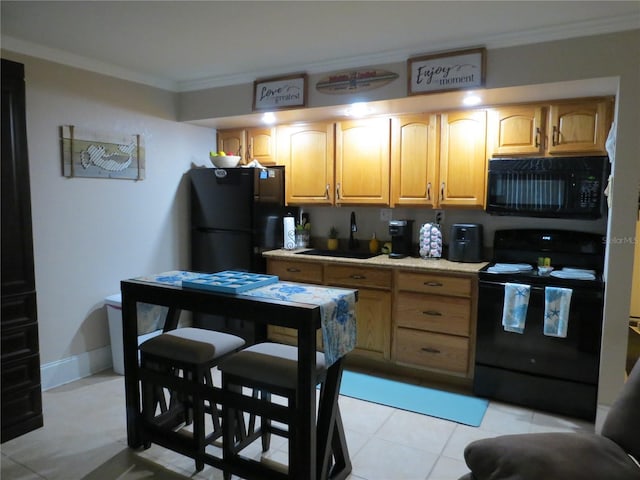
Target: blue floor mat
[(405, 396)]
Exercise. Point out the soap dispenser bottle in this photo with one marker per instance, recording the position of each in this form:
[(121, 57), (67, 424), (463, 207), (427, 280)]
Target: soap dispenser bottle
[(374, 245)]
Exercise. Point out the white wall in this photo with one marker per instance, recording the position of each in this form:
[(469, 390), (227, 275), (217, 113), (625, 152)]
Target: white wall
[(91, 233)]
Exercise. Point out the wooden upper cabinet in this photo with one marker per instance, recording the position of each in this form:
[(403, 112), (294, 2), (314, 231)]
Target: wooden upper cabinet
[(463, 160), (516, 130), (261, 145), (250, 143), (362, 161), (579, 127), (233, 141), (307, 151), (413, 160)]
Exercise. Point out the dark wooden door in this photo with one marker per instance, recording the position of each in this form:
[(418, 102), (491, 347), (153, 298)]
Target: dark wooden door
[(19, 357)]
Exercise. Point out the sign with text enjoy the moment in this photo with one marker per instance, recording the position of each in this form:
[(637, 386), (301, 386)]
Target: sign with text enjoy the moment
[(446, 71)]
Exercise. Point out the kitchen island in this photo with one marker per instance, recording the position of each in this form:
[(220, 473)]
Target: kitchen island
[(416, 317)]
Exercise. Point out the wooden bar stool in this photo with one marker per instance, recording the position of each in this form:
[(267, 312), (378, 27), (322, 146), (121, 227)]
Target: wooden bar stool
[(179, 362), (271, 368)]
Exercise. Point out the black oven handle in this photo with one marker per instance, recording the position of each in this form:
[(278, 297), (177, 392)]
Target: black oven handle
[(502, 284)]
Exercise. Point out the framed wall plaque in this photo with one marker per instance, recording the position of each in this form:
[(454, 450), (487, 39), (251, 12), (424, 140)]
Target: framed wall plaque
[(280, 92), (446, 71)]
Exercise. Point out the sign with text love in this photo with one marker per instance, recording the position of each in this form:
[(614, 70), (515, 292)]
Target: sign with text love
[(446, 71), (280, 93)]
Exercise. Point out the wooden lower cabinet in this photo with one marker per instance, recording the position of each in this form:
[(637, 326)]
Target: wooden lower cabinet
[(373, 314), (438, 313), (432, 350), (292, 271), (406, 318), (434, 315), (373, 311)]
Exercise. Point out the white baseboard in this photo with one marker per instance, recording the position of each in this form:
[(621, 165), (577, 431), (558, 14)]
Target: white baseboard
[(75, 367)]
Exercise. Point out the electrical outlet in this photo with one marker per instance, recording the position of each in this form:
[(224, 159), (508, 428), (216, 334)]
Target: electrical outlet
[(439, 216), (385, 214)]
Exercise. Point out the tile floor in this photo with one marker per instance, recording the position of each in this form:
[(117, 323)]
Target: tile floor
[(84, 438)]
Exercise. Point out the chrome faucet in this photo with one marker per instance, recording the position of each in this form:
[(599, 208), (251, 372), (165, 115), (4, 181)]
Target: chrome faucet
[(353, 227)]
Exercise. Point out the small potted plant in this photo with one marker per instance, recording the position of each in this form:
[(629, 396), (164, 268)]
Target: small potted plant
[(302, 233), (332, 242)]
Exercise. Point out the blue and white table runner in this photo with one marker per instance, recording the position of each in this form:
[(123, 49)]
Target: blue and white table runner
[(337, 307)]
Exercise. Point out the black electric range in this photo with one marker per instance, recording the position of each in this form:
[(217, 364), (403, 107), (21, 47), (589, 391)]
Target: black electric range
[(530, 368)]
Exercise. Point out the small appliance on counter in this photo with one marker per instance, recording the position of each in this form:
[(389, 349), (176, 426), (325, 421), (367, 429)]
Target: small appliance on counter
[(401, 232), (465, 243)]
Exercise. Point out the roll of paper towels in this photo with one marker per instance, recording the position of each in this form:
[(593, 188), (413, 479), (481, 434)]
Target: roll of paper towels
[(289, 233)]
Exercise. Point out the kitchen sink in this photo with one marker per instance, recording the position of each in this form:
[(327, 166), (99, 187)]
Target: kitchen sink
[(338, 253)]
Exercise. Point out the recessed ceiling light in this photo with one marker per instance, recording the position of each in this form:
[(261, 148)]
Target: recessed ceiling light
[(268, 118), (358, 109), (471, 99)]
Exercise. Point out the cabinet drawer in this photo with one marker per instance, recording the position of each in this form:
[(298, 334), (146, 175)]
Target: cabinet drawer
[(435, 313), (296, 271), (19, 342), (20, 375), (432, 350), (21, 412), (356, 276), (436, 284)]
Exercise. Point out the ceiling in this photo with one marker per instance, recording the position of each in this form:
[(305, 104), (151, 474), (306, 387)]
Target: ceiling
[(189, 45)]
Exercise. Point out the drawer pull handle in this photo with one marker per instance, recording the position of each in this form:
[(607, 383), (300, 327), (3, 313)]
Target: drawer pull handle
[(433, 284), (433, 313), (358, 277), (430, 350), (293, 270)]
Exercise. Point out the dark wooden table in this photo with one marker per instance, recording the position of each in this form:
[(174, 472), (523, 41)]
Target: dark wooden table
[(304, 318)]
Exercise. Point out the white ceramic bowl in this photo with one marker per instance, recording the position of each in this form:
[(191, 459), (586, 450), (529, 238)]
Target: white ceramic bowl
[(228, 161)]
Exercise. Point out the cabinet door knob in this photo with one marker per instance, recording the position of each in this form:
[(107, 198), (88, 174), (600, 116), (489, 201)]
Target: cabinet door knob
[(433, 313), (554, 136), (442, 191), (429, 191), (537, 140), (355, 276), (433, 284), (293, 270), (430, 350), (338, 191), (326, 192)]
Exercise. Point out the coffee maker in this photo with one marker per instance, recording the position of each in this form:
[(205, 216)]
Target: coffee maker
[(401, 232)]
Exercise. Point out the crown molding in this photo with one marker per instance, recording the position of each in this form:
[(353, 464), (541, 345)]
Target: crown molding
[(72, 60), (540, 35)]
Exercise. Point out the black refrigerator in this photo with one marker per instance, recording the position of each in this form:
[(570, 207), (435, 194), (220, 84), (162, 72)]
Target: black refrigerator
[(236, 214)]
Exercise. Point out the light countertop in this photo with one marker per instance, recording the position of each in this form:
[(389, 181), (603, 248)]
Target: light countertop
[(382, 260)]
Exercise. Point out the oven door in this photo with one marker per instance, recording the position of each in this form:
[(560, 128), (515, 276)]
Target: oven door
[(575, 357), (535, 370)]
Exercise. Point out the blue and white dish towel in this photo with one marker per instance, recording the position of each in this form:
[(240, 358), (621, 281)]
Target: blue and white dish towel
[(516, 302), (557, 302)]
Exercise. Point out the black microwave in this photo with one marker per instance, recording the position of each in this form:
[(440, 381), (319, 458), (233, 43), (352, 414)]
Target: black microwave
[(560, 187)]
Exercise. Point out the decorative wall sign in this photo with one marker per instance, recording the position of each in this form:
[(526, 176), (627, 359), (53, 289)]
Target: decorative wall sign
[(446, 71), (101, 155), (341, 83), (280, 93)]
